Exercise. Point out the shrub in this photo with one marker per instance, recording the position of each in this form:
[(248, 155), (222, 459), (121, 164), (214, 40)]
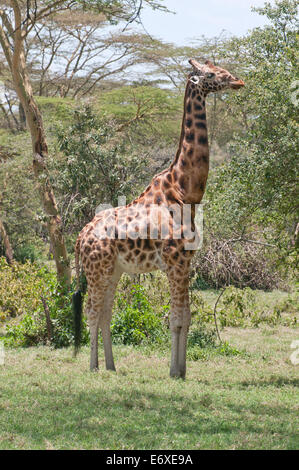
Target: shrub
[(236, 306), (240, 307), (203, 344), (244, 308), (22, 288), (222, 262), (135, 321), (26, 252), (202, 337)]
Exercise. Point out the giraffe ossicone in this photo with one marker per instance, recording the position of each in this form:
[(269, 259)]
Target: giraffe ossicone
[(152, 232)]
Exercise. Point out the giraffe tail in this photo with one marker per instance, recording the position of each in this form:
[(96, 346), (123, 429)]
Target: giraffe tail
[(77, 301)]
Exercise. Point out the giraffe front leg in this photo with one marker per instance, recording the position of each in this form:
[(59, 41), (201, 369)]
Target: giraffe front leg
[(179, 322), (186, 320), (179, 333), (106, 335), (174, 362)]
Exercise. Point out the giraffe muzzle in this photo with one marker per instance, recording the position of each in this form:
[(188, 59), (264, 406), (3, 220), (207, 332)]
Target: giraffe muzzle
[(237, 84)]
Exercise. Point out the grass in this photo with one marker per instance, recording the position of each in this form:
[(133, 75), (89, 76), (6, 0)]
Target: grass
[(48, 400)]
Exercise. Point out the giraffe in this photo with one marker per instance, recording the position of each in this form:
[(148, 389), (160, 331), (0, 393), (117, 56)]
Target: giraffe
[(150, 233)]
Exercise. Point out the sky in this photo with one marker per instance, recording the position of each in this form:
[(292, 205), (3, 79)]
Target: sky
[(195, 18)]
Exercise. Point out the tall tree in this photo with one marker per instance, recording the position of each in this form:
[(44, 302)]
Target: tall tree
[(70, 53), (19, 18), (12, 35)]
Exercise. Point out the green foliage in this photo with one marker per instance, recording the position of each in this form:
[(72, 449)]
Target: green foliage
[(256, 190), (244, 308), (144, 112), (119, 10), (135, 321), (20, 206), (203, 345), (26, 252), (238, 307), (98, 168), (197, 353), (22, 288), (30, 331), (202, 337)]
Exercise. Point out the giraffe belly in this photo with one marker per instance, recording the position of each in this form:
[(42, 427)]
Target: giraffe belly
[(139, 265)]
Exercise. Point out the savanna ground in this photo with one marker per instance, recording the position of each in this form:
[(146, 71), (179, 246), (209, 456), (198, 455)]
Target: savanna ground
[(49, 400)]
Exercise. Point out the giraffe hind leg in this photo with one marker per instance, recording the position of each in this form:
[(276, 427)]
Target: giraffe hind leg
[(105, 321), (95, 313), (99, 313), (93, 322)]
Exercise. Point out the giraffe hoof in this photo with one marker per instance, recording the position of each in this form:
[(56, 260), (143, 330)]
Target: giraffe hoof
[(178, 374)]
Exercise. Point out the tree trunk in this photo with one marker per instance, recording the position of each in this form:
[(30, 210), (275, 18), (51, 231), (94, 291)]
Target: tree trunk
[(6, 243), (17, 65), (40, 154)]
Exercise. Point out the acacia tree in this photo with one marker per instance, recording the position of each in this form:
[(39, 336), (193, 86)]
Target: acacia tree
[(19, 18), (70, 53), (12, 35)]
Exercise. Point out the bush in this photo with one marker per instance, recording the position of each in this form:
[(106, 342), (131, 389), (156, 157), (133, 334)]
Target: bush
[(239, 307), (97, 168), (26, 252), (236, 306), (22, 288), (135, 321), (202, 337), (222, 263), (203, 344), (244, 308)]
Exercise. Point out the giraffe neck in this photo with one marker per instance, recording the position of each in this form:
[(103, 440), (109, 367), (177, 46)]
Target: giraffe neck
[(191, 164)]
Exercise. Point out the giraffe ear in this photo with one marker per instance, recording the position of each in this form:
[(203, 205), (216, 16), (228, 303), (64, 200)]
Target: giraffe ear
[(209, 63)]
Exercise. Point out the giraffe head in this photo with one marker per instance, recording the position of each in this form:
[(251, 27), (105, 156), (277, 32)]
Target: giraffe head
[(208, 77)]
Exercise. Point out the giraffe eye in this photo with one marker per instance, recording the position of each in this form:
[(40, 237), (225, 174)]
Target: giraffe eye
[(210, 75)]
